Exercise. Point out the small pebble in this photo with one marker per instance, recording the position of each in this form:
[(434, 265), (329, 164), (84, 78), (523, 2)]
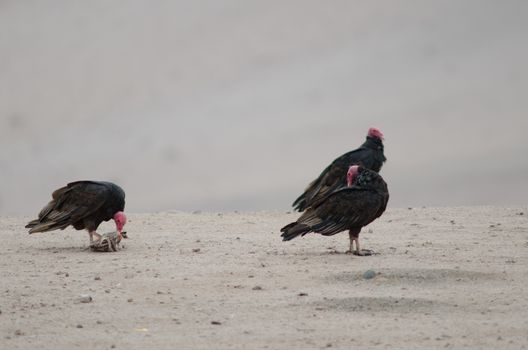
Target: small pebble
[(369, 274), (216, 322), (130, 300), (19, 332), (302, 294), (97, 278), (257, 288), (85, 298), (196, 250), (79, 326)]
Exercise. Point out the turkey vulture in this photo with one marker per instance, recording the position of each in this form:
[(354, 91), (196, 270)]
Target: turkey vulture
[(369, 155), (348, 208), (84, 205)]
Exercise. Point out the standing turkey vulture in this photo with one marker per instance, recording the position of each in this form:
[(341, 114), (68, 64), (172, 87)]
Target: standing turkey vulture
[(348, 208), (84, 205), (369, 155)]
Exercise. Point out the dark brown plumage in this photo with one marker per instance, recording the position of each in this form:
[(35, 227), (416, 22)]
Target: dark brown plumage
[(346, 208), (369, 155), (83, 205)]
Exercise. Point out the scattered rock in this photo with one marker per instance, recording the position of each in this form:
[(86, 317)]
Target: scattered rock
[(257, 288), (85, 298), (216, 323), (18, 332), (369, 274), (97, 278), (302, 294), (196, 250), (130, 300), (79, 326)]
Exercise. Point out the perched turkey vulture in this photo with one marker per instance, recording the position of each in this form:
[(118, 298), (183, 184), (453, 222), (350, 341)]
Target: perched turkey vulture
[(348, 208), (369, 155), (84, 205)]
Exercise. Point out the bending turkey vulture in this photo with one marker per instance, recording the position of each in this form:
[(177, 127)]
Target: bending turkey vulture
[(369, 155), (348, 208), (84, 205)]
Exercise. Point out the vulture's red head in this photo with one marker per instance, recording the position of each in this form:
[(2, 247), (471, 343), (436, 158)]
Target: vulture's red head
[(120, 221), (375, 133), (351, 174)]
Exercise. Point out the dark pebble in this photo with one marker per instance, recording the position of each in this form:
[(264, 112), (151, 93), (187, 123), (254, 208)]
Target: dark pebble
[(369, 274), (216, 323)]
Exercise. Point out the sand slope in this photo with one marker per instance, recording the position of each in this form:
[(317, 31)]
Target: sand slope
[(447, 278)]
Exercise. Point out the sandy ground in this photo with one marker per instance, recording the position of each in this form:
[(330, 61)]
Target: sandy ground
[(446, 278)]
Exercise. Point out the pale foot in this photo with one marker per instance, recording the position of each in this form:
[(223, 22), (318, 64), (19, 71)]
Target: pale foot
[(364, 252)]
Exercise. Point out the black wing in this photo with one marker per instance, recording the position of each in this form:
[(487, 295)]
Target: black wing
[(76, 204), (344, 209), (332, 177)]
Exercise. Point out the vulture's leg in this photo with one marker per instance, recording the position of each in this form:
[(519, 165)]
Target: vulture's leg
[(354, 237), (92, 234)]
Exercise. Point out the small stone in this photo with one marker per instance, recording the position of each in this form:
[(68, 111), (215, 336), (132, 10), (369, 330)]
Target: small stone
[(97, 278), (216, 323), (18, 332), (85, 298), (257, 288), (130, 300), (66, 275), (369, 274), (99, 322), (79, 326), (107, 290), (302, 294), (112, 346), (196, 250)]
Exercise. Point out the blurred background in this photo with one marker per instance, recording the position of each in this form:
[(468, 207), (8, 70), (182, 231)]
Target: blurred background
[(238, 105)]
